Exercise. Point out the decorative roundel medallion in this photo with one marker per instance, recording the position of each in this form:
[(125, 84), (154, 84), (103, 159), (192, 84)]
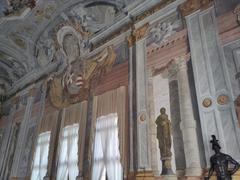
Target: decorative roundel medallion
[(142, 117), (207, 102), (222, 99)]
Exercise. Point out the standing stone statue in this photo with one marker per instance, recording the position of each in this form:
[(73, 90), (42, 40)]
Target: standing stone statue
[(220, 163), (164, 139)]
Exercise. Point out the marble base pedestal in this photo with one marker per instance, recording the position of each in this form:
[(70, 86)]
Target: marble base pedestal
[(46, 178), (169, 177), (144, 175), (79, 178), (236, 176)]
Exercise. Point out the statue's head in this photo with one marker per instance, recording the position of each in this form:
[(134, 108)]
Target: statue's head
[(215, 145), (162, 110)]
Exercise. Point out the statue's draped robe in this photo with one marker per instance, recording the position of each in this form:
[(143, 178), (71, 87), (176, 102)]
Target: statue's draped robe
[(164, 135)]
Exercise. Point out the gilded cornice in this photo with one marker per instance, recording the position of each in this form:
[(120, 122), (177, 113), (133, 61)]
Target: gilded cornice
[(113, 35), (153, 10), (138, 34), (191, 6)]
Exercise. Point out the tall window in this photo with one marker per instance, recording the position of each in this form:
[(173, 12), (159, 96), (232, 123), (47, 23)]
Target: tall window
[(40, 161), (106, 149), (68, 154)]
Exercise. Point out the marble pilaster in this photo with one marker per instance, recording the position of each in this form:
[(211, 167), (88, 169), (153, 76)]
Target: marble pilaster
[(212, 82), (21, 136), (188, 123), (130, 104), (140, 118)]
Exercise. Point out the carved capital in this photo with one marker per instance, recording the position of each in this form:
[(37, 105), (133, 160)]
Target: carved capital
[(130, 40), (191, 6), (138, 34), (141, 32)]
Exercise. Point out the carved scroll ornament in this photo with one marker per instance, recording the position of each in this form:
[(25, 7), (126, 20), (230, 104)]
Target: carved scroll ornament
[(74, 83)]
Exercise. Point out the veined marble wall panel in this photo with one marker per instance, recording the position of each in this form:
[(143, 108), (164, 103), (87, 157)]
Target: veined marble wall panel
[(212, 54), (212, 80), (230, 138), (232, 55), (209, 127), (201, 69)]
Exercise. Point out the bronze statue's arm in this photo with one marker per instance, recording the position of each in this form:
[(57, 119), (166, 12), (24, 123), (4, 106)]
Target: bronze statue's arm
[(235, 163), (210, 172)]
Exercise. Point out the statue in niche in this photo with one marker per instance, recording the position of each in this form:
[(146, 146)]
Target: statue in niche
[(220, 163), (164, 139), (237, 108)]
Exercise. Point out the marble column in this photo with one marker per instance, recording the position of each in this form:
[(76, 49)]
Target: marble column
[(130, 104), (22, 136), (175, 120), (188, 123), (212, 82), (140, 117)]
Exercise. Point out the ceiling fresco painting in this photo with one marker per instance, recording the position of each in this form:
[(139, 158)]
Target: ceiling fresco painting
[(28, 32)]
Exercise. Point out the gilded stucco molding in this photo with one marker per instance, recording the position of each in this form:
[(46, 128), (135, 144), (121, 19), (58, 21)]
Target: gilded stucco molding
[(153, 10), (138, 34), (81, 79), (141, 32), (191, 6)]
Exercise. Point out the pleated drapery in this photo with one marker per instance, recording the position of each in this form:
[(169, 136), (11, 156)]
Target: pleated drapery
[(68, 155), (40, 160), (106, 149), (71, 142), (114, 101)]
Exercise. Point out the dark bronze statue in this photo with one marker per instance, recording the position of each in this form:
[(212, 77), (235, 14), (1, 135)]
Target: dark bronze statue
[(220, 163)]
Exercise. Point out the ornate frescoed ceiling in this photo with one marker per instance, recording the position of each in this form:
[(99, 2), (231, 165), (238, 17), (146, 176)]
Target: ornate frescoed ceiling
[(27, 30)]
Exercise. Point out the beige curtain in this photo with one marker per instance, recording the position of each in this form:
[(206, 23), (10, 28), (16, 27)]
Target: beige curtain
[(48, 122), (114, 101), (77, 113)]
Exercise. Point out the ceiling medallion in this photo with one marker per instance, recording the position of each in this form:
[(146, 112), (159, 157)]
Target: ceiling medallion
[(207, 102)]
